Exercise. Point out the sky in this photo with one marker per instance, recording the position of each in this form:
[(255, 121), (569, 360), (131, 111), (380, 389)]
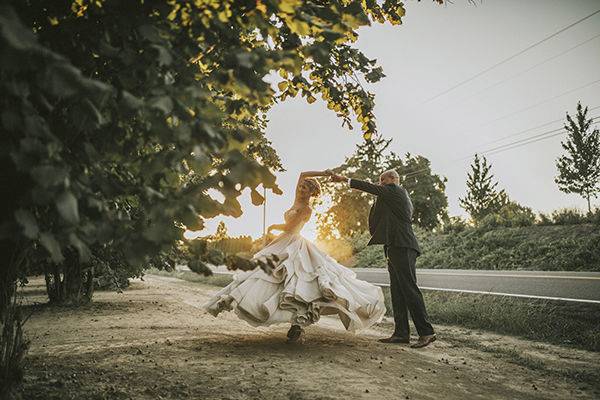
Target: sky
[(434, 49)]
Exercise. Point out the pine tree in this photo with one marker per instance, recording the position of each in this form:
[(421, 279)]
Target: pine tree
[(579, 169), (482, 197)]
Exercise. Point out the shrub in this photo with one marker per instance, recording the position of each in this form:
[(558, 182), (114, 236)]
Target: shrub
[(568, 216), (554, 248), (512, 214), (454, 225), (594, 216), (544, 219)]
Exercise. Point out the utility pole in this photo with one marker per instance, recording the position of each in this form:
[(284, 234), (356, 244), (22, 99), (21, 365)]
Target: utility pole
[(264, 216)]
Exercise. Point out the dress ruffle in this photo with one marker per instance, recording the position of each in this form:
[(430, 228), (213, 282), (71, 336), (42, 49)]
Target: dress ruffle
[(308, 284)]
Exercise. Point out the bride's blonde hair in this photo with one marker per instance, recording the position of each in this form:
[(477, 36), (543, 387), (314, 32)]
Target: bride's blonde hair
[(315, 187)]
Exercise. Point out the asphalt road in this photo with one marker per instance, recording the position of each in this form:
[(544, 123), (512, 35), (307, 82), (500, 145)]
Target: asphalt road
[(569, 286), (566, 286)]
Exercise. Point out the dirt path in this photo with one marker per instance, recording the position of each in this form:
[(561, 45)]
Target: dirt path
[(152, 342)]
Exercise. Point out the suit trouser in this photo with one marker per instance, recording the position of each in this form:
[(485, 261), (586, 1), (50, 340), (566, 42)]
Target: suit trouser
[(406, 295)]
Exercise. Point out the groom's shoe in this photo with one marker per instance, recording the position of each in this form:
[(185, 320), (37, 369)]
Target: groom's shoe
[(424, 341), (395, 339)]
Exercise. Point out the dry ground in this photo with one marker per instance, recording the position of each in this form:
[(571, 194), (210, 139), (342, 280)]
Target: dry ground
[(153, 342)]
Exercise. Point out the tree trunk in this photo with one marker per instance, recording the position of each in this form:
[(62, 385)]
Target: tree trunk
[(70, 283), (12, 342), (589, 204)]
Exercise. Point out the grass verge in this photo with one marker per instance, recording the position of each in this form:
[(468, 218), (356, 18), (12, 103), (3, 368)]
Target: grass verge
[(564, 323), (584, 375)]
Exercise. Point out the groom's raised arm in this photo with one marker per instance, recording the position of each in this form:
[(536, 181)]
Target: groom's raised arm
[(366, 186)]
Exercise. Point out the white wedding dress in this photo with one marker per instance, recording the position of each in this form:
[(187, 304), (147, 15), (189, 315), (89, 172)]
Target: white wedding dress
[(308, 284)]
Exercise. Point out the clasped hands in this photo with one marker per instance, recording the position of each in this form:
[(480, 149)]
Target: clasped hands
[(335, 177)]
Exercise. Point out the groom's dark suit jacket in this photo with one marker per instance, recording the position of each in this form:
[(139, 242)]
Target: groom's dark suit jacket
[(391, 215)]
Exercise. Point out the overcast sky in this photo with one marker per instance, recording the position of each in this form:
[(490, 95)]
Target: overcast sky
[(434, 49)]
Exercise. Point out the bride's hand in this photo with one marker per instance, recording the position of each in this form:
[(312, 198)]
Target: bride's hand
[(338, 178)]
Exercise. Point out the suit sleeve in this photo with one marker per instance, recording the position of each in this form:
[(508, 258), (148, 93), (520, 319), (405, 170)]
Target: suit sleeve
[(368, 187)]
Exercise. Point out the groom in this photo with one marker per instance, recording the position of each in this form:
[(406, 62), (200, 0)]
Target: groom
[(390, 224)]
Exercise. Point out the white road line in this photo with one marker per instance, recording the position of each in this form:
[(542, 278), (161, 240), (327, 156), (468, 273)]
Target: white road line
[(512, 276), (497, 275), (503, 294)]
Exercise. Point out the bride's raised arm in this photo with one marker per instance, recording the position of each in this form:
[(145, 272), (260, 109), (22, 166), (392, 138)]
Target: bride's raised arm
[(311, 174)]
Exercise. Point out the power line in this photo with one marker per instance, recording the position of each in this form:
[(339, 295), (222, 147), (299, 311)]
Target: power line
[(512, 56), (528, 69), (528, 140), (509, 146), (526, 143), (483, 152), (540, 103), (530, 129)]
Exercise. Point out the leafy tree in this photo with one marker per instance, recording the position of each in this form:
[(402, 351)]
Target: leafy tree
[(482, 197), (348, 214), (579, 168), (158, 103)]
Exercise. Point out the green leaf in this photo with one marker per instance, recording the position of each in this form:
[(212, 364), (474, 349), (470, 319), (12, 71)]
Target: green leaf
[(47, 175), (66, 204), (164, 55), (162, 103), (215, 257), (52, 246), (257, 198), (245, 59), (27, 221), (282, 85), (199, 267), (82, 249), (130, 101), (150, 33)]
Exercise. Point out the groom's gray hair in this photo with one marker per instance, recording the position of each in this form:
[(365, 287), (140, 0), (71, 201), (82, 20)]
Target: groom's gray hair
[(393, 174)]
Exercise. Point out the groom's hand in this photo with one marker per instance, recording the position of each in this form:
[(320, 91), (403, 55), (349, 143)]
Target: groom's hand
[(338, 178)]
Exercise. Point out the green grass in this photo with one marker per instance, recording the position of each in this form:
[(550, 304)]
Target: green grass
[(574, 324)]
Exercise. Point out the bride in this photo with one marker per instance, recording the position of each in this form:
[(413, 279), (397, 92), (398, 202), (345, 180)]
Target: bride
[(307, 284)]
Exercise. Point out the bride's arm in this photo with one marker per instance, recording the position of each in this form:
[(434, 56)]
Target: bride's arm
[(312, 174), (277, 227), (296, 219)]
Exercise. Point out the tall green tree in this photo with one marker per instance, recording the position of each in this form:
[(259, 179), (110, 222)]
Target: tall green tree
[(483, 197), (579, 168), (120, 116), (348, 213)]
